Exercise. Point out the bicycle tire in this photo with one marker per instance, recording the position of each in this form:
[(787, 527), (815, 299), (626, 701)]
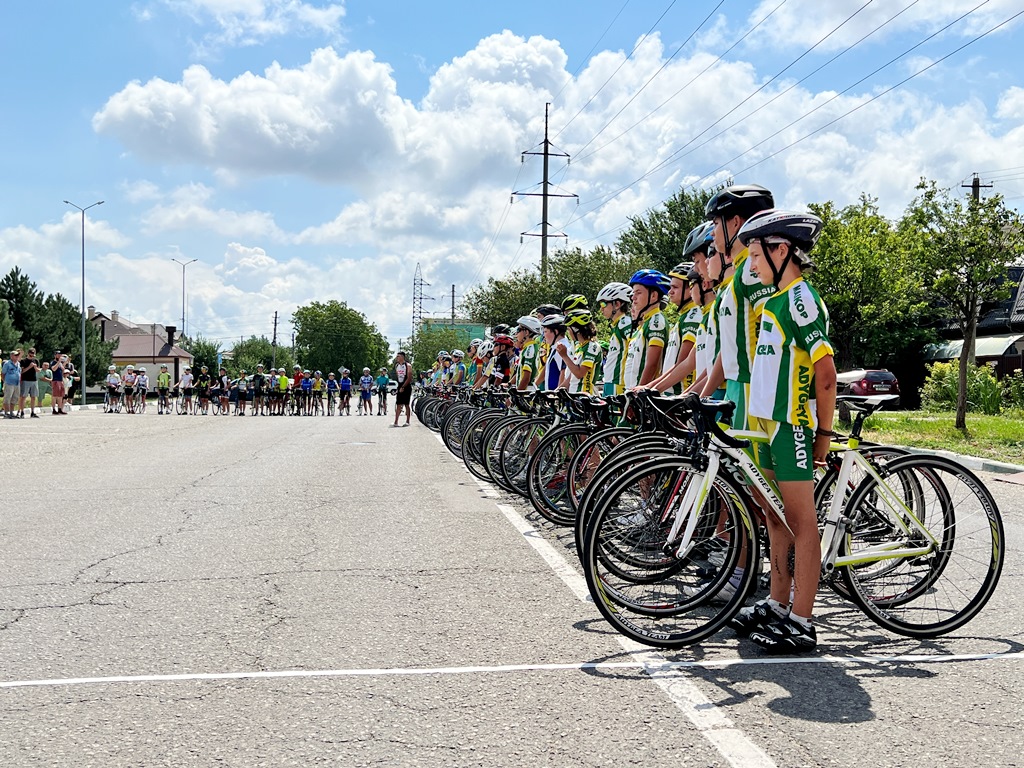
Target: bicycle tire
[(516, 449), (690, 602), (968, 530), (547, 472)]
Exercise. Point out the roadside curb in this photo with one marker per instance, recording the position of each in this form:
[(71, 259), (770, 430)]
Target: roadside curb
[(971, 462)]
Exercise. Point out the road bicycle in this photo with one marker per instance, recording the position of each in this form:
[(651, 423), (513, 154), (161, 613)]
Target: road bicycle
[(917, 542)]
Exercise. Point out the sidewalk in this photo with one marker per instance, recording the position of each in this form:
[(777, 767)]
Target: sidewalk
[(971, 462)]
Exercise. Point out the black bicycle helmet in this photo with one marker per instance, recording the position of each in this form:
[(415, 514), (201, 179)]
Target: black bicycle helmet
[(547, 309), (739, 200), (501, 330)]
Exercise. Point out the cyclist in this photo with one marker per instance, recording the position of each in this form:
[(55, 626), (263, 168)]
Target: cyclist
[(128, 379), (306, 389), (581, 363), (185, 385), (203, 383), (345, 387), (318, 391), (471, 355), (485, 363), (792, 398), (366, 393), (383, 381), (650, 330), (574, 301), (614, 300), (283, 385), (500, 369), (259, 390), (242, 391), (163, 388), (221, 390), (740, 296), (113, 385), (527, 338), (141, 387), (543, 350), (458, 369)]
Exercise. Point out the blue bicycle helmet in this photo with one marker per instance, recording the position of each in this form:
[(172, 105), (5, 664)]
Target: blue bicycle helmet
[(651, 278)]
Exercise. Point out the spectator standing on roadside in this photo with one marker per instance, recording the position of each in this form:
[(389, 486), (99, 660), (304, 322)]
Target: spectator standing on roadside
[(71, 382), (29, 383), (11, 373), (57, 386)]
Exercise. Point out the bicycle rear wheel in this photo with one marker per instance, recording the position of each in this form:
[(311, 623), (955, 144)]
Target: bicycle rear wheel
[(934, 593)]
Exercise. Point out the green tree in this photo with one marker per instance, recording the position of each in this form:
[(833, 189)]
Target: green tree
[(569, 271), (427, 341), (657, 237), (24, 301), (967, 246), (204, 351), (871, 280), (247, 354), (9, 335), (332, 334)]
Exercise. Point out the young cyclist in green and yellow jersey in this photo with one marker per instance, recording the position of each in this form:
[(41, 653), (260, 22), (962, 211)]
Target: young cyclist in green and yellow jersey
[(527, 335), (792, 399), (614, 300), (740, 296), (646, 345), (580, 365)]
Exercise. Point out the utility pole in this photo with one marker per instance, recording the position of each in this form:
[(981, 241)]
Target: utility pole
[(544, 194), (273, 345), (975, 187), (418, 298), (453, 305)]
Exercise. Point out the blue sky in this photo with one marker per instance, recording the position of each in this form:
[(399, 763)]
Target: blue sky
[(318, 150)]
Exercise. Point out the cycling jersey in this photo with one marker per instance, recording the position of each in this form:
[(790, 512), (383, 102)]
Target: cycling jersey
[(705, 345), (113, 380), (738, 314), (318, 384), (297, 381), (163, 380), (306, 385), (186, 381), (588, 355), (142, 381), (346, 384), (543, 352), (332, 385), (616, 353), (501, 370), (682, 331), (366, 383), (382, 383), (282, 383), (528, 363), (128, 380), (792, 338), (243, 385), (652, 331), (555, 365), (258, 382), (458, 376)]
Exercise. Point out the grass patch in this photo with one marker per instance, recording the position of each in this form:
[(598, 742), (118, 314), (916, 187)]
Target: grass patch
[(1000, 438)]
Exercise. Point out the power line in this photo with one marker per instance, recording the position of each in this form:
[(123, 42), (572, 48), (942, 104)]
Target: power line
[(869, 101), (621, 65), (593, 48), (652, 77), (686, 85)]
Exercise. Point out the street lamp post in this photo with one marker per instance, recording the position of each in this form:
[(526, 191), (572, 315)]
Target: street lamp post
[(81, 373), (183, 265)]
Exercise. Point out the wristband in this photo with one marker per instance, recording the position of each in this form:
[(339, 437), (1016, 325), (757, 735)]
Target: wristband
[(825, 433)]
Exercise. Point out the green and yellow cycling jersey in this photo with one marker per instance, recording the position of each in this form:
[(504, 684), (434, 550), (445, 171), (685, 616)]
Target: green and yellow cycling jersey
[(587, 355), (739, 312), (617, 352), (527, 362), (651, 331), (163, 380), (793, 337)]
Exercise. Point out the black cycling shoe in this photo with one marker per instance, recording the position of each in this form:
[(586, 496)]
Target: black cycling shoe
[(752, 618), (784, 636)]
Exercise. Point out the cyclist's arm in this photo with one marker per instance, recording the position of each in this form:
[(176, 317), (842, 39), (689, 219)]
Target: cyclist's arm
[(679, 371), (825, 394), (652, 368)]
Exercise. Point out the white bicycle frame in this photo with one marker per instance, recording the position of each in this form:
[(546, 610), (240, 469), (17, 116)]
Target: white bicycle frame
[(696, 496)]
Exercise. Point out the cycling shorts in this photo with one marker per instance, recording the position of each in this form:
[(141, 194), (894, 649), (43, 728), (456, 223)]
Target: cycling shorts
[(789, 452)]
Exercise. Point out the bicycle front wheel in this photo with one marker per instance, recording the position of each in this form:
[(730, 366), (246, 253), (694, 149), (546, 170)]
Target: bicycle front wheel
[(950, 515)]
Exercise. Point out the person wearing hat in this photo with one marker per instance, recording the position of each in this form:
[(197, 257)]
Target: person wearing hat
[(528, 333), (12, 383), (163, 388)]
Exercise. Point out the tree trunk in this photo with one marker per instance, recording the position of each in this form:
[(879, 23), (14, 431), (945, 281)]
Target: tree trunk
[(966, 359)]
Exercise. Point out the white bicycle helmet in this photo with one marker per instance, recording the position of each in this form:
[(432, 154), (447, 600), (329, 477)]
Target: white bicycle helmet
[(530, 323), (486, 347), (458, 354), (615, 292)]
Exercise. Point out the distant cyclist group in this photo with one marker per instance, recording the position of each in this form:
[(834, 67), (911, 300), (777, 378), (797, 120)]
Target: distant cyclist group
[(265, 392)]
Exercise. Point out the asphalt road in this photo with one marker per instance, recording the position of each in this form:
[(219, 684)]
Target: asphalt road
[(411, 622)]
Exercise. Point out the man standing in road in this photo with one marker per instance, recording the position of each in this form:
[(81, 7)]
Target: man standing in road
[(404, 377), (12, 383), (29, 383)]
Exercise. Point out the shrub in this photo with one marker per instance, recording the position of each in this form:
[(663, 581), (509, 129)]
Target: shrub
[(1013, 389), (985, 393)]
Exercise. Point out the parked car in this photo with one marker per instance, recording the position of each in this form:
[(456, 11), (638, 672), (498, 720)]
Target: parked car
[(868, 383), (392, 387)]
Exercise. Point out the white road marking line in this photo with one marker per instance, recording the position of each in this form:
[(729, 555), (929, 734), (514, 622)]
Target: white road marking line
[(712, 724), (668, 671)]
